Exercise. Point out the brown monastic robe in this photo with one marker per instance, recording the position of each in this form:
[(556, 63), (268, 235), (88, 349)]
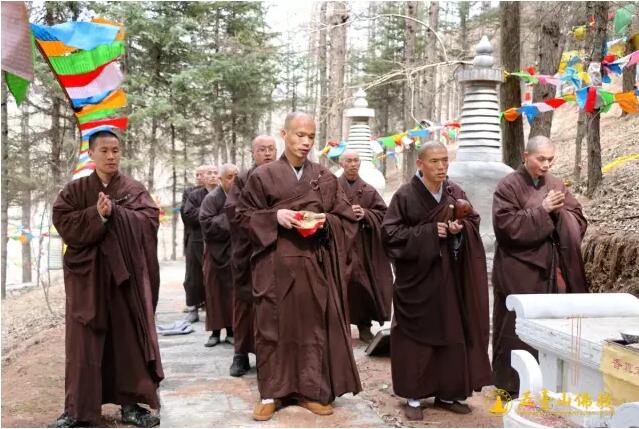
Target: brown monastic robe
[(241, 249), (531, 245), (111, 275), (218, 282), (302, 330), (440, 331), (193, 281), (370, 290)]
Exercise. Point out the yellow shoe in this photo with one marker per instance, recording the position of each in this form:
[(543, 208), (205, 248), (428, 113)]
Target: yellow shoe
[(317, 408), (263, 412)]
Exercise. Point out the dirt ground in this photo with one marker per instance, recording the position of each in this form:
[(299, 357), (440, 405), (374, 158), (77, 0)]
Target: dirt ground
[(33, 377)]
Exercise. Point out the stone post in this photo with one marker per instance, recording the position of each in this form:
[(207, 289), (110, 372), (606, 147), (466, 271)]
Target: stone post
[(478, 167)]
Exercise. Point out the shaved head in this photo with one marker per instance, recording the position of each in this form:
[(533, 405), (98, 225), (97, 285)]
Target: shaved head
[(537, 142), (262, 139), (294, 115), (350, 162), (228, 168), (263, 149), (428, 146)]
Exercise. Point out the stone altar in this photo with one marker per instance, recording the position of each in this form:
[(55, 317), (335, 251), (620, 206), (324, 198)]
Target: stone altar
[(569, 332)]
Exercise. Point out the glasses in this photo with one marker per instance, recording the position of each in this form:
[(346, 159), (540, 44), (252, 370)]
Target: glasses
[(266, 149)]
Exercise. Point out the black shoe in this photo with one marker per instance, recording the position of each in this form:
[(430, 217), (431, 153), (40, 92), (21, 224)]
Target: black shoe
[(455, 407), (66, 421), (240, 365), (212, 341), (192, 317), (138, 416)]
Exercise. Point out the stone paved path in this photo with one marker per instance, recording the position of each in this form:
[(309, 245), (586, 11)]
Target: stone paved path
[(198, 391)]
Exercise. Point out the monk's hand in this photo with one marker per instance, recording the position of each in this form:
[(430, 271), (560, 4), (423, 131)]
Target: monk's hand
[(104, 205), (442, 229), (455, 227), (359, 212), (322, 218), (553, 201), (287, 218)]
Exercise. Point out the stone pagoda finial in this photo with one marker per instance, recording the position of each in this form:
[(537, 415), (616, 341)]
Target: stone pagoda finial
[(483, 54)]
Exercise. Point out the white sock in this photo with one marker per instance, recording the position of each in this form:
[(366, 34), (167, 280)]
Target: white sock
[(447, 402), (414, 403), (267, 401)]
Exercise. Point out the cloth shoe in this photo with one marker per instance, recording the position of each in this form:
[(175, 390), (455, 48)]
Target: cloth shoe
[(212, 341), (264, 412), (365, 333), (240, 365), (456, 407), (66, 421), (192, 317), (317, 408), (134, 414), (413, 413)]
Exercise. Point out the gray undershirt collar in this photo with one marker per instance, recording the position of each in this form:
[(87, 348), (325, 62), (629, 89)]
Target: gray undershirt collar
[(438, 194)]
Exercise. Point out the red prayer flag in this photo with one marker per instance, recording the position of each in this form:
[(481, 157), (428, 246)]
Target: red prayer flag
[(120, 123), (555, 102), (591, 99), (72, 80)]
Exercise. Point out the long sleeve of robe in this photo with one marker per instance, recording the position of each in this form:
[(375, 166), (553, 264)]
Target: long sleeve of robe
[(439, 335), (241, 249), (531, 246), (302, 331), (370, 290), (218, 281), (111, 283)]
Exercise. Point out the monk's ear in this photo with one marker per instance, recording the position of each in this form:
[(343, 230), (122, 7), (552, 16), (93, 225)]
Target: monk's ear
[(283, 133), (90, 152)]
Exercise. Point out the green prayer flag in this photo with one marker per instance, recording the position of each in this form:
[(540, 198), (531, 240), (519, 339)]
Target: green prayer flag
[(607, 98), (86, 61), (17, 86), (98, 114)]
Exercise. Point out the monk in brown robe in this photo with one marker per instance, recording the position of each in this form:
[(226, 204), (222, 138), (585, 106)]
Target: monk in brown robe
[(194, 246), (370, 290), (263, 152), (199, 182), (538, 229), (440, 328), (302, 331), (218, 280), (109, 223)]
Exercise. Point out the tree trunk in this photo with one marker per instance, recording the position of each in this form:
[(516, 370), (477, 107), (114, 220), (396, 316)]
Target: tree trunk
[(581, 131), (336, 70), (464, 9), (26, 192), (5, 184), (323, 84), (550, 48), (150, 179), (233, 139), (431, 57), (173, 196), (410, 28), (510, 95), (592, 119), (55, 160)]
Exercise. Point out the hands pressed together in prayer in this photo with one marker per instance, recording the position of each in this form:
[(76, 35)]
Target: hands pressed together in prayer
[(104, 205), (454, 227), (291, 219), (359, 212), (553, 201)]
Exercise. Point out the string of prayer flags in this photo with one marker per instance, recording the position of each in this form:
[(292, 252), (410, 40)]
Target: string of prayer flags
[(588, 99), (84, 58)]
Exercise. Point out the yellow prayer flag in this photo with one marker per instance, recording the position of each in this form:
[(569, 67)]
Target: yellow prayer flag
[(113, 101)]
